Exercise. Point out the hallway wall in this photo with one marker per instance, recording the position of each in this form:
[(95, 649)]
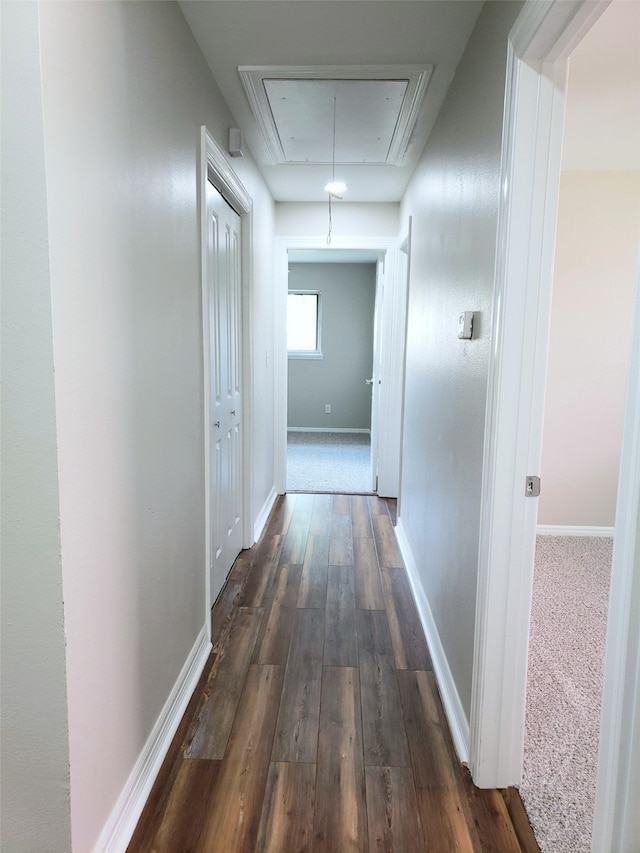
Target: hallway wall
[(125, 91), (311, 219), (34, 781), (453, 199)]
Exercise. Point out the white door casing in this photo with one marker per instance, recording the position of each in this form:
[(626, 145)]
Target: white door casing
[(403, 277), (541, 41), (225, 396)]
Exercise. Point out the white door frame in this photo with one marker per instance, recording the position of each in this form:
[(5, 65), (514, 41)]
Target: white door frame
[(541, 40), (387, 247), (615, 824), (404, 278), (215, 166)]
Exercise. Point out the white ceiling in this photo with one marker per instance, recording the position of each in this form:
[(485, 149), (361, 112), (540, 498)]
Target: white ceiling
[(338, 38), (372, 109), (602, 121), (332, 34)]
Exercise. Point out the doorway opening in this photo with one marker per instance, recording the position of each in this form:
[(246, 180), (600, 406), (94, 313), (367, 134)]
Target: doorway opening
[(597, 237), (331, 355), (539, 46), (371, 401)]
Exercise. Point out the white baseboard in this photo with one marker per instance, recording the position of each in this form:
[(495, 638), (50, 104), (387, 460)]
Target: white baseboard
[(124, 816), (573, 530), (263, 515), (327, 429), (456, 717)]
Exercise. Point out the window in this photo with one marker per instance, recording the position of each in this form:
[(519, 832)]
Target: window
[(303, 324)]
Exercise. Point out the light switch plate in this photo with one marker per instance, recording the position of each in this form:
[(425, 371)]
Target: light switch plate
[(465, 325)]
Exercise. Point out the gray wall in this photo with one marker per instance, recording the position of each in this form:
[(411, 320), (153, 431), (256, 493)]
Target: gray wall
[(124, 93), (453, 199), (348, 302), (34, 784)]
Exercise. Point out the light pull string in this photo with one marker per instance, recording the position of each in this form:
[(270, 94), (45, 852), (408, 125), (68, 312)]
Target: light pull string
[(333, 152), (333, 170)]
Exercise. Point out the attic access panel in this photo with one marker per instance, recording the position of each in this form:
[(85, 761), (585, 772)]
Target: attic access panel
[(376, 110), (367, 113)]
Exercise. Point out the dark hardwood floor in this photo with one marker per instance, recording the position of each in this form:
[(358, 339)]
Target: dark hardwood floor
[(317, 724)]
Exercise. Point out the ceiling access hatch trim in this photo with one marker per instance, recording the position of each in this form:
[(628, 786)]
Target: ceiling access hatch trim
[(400, 93)]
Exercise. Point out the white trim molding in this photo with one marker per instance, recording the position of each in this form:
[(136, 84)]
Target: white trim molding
[(416, 77), (573, 530), (329, 429), (456, 717), (616, 824), (263, 515), (124, 816), (539, 44)]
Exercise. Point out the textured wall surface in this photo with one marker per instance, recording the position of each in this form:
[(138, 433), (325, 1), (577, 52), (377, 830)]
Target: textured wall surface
[(349, 220), (453, 199)]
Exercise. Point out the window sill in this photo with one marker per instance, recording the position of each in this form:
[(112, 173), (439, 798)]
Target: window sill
[(302, 354)]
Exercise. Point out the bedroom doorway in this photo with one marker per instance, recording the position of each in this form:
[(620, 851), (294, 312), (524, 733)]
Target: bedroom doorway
[(595, 270), (377, 379), (330, 389)]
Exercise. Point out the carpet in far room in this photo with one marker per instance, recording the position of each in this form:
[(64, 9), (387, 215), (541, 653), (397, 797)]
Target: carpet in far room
[(564, 683), (338, 462)]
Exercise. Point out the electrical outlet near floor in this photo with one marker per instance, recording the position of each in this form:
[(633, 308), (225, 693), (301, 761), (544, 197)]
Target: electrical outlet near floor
[(327, 409)]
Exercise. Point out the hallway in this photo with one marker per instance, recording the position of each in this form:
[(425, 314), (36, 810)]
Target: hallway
[(317, 724)]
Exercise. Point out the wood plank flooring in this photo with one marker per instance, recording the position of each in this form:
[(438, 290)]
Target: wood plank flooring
[(317, 724)]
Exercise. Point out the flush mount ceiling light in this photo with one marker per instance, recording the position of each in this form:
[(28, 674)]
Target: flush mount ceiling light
[(335, 188)]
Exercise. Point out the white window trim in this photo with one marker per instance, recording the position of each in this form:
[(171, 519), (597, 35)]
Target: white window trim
[(317, 353)]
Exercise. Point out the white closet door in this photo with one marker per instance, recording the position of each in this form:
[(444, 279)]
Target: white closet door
[(225, 317)]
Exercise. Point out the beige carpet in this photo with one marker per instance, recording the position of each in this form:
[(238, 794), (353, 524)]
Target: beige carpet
[(329, 462), (568, 627)]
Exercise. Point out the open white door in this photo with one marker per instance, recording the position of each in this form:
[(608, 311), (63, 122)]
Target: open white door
[(376, 379), (391, 307)]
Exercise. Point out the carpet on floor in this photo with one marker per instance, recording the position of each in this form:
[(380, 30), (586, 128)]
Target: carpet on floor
[(329, 462), (564, 683)]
